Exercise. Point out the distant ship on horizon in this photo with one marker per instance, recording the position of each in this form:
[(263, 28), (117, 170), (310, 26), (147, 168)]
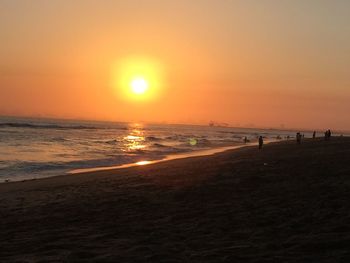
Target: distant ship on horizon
[(218, 124)]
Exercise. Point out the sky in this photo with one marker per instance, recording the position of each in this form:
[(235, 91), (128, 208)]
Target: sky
[(262, 63)]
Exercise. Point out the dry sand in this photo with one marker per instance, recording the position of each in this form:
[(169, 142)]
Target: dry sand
[(285, 203)]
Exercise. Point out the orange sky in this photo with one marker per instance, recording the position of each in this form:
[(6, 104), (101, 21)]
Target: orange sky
[(262, 63)]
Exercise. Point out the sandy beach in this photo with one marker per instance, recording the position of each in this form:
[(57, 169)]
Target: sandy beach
[(284, 203)]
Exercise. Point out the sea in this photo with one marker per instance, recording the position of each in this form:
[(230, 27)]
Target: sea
[(32, 148)]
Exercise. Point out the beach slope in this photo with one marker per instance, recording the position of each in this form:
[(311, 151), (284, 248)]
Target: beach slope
[(284, 203)]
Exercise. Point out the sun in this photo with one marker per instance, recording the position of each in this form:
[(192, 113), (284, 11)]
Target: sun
[(139, 86), (138, 79)]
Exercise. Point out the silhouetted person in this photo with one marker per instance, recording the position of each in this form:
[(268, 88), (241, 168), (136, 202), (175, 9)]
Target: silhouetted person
[(261, 142), (298, 137), (329, 134), (314, 135), (245, 139)]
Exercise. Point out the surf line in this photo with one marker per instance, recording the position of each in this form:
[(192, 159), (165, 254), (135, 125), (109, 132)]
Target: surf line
[(167, 158)]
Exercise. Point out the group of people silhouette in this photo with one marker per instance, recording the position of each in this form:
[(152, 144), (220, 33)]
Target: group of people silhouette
[(327, 135), (260, 139), (299, 136)]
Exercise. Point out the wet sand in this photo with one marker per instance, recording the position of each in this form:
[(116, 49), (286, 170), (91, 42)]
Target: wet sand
[(285, 203)]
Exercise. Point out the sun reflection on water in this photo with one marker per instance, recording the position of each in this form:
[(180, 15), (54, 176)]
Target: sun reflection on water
[(143, 162), (134, 140)]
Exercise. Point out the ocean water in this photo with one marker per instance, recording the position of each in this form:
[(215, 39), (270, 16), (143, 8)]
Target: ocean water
[(36, 148)]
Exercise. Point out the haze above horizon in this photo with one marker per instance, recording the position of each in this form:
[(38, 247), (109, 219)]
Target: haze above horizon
[(267, 63)]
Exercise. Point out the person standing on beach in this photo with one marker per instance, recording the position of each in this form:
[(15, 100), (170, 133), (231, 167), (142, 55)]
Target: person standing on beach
[(314, 135), (298, 137), (245, 139), (261, 142)]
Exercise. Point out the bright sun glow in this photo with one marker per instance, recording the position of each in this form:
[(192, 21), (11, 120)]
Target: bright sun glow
[(139, 86), (137, 79)]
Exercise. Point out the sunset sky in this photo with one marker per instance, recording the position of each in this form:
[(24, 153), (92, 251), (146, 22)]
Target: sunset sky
[(262, 63)]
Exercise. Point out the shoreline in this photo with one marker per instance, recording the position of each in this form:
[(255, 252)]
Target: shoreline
[(193, 154), (129, 168), (171, 157)]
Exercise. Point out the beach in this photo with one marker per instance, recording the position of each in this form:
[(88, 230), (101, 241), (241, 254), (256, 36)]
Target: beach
[(284, 203)]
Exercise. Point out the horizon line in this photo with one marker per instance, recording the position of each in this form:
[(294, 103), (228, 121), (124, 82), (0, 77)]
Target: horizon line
[(173, 123)]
